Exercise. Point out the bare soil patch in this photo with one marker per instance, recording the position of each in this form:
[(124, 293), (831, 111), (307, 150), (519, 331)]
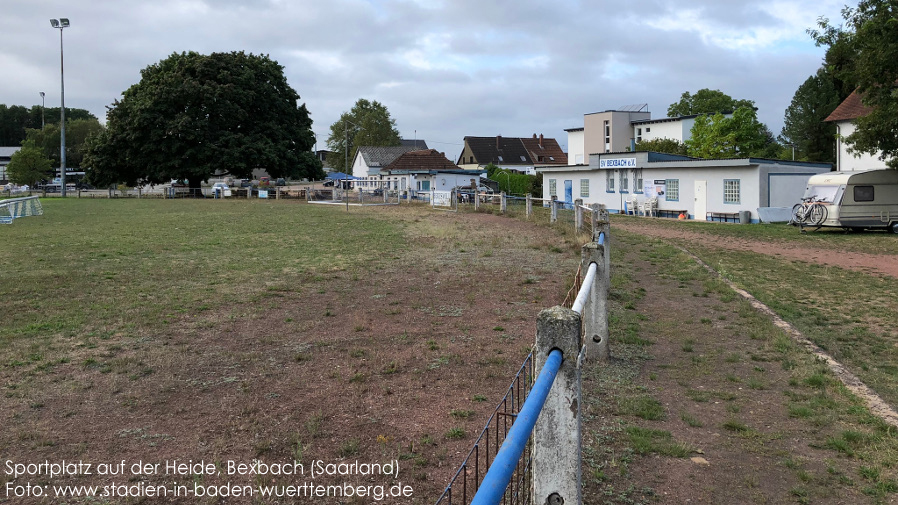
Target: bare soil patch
[(401, 359), (880, 264)]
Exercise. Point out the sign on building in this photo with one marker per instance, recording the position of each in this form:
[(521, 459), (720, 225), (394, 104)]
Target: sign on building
[(617, 162)]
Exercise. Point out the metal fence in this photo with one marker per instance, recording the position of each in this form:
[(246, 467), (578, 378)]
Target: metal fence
[(539, 459), (467, 479)]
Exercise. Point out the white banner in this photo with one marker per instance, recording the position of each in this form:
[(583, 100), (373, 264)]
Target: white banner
[(441, 198)]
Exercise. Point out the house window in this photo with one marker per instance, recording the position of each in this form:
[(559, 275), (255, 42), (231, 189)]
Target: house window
[(472, 160), (672, 190), (648, 130), (609, 181), (607, 136), (624, 182), (553, 188), (584, 188), (731, 191), (863, 193)]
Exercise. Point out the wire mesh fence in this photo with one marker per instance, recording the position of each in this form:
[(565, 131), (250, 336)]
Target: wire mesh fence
[(467, 479)]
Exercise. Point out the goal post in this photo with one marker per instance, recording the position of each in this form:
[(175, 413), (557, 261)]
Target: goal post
[(16, 208)]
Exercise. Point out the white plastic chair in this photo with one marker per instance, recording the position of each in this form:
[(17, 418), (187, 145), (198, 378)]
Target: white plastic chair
[(633, 206), (650, 207)]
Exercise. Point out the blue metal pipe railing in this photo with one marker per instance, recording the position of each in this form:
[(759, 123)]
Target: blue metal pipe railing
[(601, 240), (499, 474)]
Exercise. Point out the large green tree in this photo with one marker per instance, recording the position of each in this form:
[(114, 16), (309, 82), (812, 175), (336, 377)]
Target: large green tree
[(28, 165), (192, 116), (719, 136), (366, 124), (76, 134), (804, 126), (865, 55), (706, 101)]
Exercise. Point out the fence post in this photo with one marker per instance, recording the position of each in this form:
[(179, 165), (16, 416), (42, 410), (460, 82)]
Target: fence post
[(529, 206), (476, 201), (554, 215), (503, 203), (595, 310), (556, 435), (601, 223), (578, 215)]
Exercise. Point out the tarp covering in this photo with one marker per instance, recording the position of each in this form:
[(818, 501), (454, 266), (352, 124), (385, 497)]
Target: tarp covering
[(339, 176)]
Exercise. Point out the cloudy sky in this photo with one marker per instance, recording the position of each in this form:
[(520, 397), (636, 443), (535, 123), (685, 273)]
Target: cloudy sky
[(444, 68)]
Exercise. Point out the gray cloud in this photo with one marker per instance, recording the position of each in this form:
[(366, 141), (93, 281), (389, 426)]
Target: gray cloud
[(446, 69)]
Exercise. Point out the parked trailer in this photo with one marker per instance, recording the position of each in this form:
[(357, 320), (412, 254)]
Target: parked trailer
[(860, 200)]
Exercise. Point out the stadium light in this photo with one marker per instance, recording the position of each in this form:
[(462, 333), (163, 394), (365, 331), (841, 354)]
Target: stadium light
[(61, 23)]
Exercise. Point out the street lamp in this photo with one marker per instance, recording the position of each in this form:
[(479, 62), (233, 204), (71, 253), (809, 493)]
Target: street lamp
[(61, 23), (42, 109), (346, 151)]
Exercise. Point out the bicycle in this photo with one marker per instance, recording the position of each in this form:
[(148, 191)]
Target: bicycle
[(811, 211)]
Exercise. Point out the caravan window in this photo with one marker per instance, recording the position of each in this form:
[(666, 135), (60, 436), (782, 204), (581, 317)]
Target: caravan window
[(863, 193), (823, 193)]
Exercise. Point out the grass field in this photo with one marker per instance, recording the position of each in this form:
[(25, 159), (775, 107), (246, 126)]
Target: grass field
[(216, 330), (233, 330)]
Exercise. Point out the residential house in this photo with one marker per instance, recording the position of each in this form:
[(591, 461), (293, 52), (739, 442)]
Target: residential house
[(702, 189), (512, 153), (844, 115), (5, 156), (370, 160), (426, 170), (614, 131)]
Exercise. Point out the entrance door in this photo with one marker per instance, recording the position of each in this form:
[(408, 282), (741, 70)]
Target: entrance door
[(568, 193), (701, 200)]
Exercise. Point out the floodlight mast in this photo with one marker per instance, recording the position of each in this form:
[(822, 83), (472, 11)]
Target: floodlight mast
[(61, 23)]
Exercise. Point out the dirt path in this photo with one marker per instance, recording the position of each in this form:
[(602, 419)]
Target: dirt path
[(870, 263)]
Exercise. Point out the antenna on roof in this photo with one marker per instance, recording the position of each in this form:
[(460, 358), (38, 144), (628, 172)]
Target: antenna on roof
[(639, 107)]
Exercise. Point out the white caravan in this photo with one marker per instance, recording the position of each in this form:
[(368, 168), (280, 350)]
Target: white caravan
[(867, 199)]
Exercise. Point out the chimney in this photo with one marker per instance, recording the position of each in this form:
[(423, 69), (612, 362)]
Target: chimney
[(498, 141), (540, 139), (534, 135)]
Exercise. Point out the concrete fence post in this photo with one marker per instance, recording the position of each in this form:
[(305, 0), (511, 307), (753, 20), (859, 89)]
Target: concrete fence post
[(595, 310), (554, 214), (556, 435), (503, 203), (578, 215), (529, 206), (476, 201)]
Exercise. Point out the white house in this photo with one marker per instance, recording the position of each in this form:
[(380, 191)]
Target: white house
[(426, 170), (844, 115), (5, 156), (370, 160), (674, 128), (702, 189)]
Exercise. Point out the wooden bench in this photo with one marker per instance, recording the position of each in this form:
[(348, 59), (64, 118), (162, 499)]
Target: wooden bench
[(722, 216), (670, 213)]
